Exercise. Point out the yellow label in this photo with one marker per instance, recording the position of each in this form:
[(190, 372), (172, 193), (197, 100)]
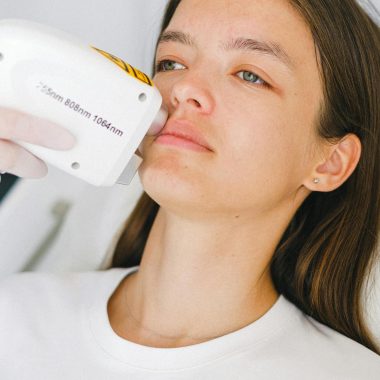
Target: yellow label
[(127, 67)]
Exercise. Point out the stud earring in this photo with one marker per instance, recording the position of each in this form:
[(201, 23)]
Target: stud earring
[(316, 180)]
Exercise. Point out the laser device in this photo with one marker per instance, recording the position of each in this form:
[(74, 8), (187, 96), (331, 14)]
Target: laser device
[(108, 105)]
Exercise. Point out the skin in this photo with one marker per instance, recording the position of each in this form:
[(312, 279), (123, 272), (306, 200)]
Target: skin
[(205, 268)]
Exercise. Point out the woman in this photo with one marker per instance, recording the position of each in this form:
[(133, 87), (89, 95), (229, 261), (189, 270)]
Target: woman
[(259, 221)]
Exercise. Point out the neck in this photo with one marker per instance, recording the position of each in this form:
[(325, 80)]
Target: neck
[(198, 280)]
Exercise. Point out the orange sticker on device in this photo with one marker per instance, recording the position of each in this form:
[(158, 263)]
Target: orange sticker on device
[(126, 67)]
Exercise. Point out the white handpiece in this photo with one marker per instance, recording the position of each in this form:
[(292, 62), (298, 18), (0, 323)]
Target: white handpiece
[(108, 105)]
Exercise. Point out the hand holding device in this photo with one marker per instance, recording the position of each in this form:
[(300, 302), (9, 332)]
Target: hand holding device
[(14, 158), (108, 105)]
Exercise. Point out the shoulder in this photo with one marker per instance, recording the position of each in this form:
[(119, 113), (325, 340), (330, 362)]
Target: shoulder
[(30, 283), (43, 292), (39, 309), (328, 351)]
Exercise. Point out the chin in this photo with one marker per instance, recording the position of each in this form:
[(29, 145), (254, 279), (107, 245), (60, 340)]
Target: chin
[(174, 185)]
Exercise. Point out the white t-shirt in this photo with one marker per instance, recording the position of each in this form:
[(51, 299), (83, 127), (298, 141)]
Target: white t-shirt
[(55, 326)]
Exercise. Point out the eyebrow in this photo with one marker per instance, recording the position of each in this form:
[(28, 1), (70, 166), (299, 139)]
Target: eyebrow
[(246, 44)]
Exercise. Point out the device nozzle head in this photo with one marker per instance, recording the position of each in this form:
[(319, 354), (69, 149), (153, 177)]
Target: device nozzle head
[(159, 121)]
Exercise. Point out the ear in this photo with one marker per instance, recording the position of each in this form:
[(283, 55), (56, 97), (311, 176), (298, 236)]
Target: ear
[(342, 159)]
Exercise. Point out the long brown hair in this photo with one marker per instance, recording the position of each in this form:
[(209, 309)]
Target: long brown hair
[(326, 253)]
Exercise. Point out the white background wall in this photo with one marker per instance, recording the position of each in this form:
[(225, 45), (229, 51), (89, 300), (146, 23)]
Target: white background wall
[(377, 3), (374, 2)]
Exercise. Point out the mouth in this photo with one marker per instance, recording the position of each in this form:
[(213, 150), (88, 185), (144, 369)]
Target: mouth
[(183, 134), (181, 142)]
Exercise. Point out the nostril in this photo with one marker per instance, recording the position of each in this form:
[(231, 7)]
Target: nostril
[(197, 104)]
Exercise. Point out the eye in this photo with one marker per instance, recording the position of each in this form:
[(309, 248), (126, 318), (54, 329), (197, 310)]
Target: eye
[(248, 76), (167, 65), (251, 77)]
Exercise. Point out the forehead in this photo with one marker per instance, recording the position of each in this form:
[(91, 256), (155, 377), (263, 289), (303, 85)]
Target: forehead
[(275, 21)]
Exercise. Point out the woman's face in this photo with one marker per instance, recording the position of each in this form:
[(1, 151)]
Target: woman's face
[(243, 76)]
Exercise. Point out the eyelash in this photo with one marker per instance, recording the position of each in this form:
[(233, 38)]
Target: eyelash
[(264, 83)]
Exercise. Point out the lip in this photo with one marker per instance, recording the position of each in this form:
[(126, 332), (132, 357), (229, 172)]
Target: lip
[(180, 142), (182, 133)]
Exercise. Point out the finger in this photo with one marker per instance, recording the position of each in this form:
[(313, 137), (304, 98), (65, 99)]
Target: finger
[(16, 160), (19, 126)]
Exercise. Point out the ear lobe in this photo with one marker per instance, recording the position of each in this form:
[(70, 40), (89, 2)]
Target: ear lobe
[(342, 160)]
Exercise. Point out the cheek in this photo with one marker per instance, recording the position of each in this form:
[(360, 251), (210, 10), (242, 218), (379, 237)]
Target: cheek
[(261, 149), (164, 87)]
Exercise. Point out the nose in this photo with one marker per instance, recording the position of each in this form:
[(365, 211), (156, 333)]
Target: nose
[(192, 94)]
